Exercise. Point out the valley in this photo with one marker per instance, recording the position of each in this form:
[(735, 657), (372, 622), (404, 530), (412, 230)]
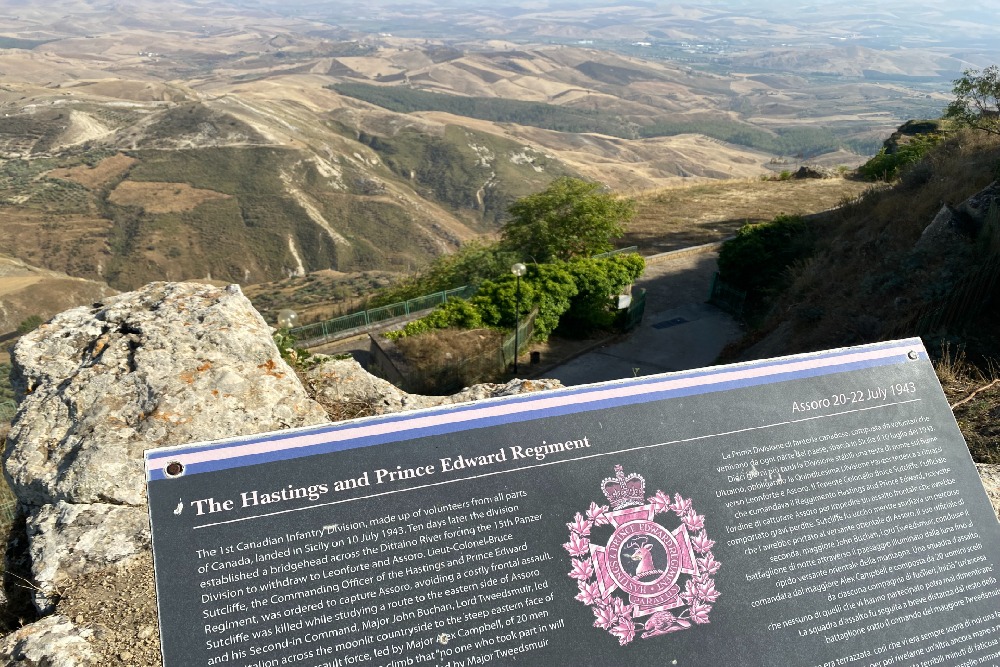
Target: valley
[(263, 142)]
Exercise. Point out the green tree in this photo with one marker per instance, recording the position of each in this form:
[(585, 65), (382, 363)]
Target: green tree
[(977, 100), (570, 218), (471, 264), (597, 282)]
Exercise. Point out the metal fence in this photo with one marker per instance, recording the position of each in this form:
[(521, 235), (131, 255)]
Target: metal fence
[(619, 251), (726, 297), (636, 308), (524, 333), (329, 329)]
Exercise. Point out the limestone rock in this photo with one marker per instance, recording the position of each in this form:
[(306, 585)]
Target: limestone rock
[(68, 541), (168, 364), (908, 131), (990, 474), (962, 222), (813, 171), (53, 641), (345, 389)]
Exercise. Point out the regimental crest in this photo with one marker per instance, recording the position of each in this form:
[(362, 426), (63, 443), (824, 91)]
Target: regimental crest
[(647, 577)]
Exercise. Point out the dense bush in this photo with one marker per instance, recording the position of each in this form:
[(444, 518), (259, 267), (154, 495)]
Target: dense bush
[(576, 294), (886, 166), (457, 313), (756, 260), (596, 281), (548, 287)]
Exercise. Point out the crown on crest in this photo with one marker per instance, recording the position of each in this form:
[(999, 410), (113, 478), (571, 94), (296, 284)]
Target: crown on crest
[(624, 490)]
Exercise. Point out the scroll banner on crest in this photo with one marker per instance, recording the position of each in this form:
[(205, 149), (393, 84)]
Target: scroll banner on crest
[(811, 511)]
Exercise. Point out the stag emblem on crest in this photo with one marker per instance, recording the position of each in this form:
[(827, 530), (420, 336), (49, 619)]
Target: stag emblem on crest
[(644, 577)]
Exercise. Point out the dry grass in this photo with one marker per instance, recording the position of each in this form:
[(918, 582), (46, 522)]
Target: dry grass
[(162, 197), (869, 281), (446, 360), (691, 215), (101, 173), (975, 398)]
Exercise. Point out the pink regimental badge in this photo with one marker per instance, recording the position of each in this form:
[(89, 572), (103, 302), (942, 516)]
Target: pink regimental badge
[(634, 582)]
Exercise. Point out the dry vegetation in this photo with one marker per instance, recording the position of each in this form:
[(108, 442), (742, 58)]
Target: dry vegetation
[(870, 281), (974, 395), (432, 358), (162, 197), (95, 176), (682, 216)]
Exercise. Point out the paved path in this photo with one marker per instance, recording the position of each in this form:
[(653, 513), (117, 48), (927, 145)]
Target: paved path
[(679, 331)]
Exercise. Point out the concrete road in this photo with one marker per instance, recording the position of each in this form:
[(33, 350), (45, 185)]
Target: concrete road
[(679, 331)]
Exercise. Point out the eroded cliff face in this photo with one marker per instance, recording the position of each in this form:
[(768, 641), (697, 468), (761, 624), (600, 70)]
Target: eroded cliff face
[(165, 365)]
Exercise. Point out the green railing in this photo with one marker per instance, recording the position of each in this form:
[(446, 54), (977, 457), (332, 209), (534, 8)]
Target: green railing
[(320, 332), (726, 297), (619, 251), (524, 333), (636, 308)]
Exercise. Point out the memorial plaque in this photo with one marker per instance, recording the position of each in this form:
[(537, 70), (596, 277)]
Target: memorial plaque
[(809, 511)]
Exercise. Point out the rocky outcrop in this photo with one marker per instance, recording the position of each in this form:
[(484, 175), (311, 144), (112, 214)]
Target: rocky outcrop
[(347, 390), (169, 364), (961, 223), (54, 641), (165, 365), (908, 131), (813, 171)]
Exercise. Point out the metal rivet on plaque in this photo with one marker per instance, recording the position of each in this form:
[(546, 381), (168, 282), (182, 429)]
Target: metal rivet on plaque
[(174, 469), (912, 354)]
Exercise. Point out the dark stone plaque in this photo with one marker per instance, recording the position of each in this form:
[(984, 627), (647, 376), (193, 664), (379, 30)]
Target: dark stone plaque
[(808, 511)]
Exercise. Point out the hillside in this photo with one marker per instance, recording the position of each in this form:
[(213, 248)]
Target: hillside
[(921, 257), (28, 292), (217, 142), (878, 271)]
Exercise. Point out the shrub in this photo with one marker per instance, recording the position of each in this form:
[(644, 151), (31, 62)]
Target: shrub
[(580, 290), (457, 313), (887, 166), (29, 324), (597, 281), (756, 260)]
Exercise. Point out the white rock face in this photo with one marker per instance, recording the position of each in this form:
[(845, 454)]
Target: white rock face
[(169, 364), (66, 540), (346, 383), (53, 641), (165, 365)]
